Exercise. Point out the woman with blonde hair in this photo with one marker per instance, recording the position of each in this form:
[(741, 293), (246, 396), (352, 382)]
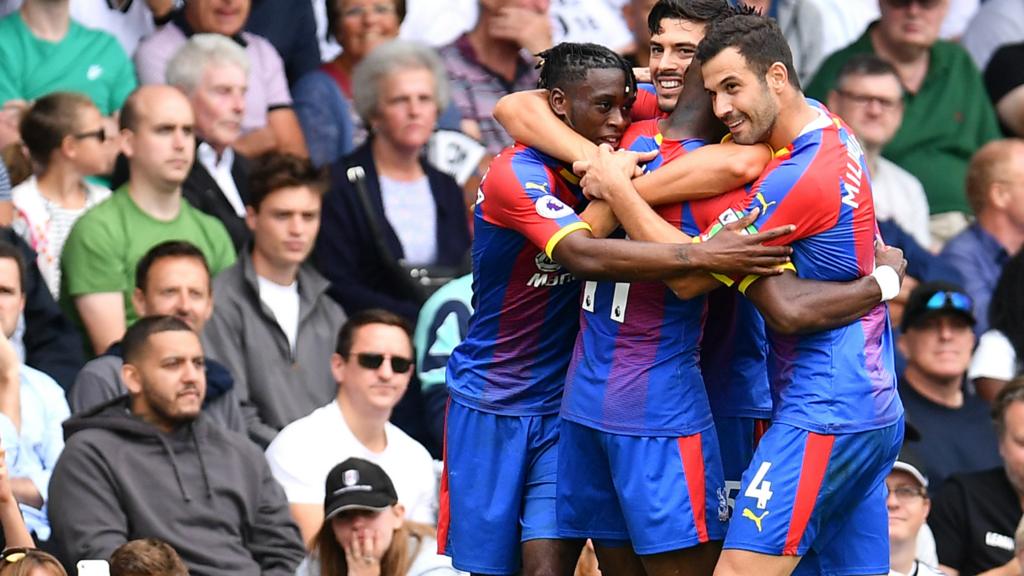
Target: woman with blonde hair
[(365, 533)]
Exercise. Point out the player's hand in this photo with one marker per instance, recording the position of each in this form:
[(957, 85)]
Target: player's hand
[(733, 251), (362, 553), (609, 171), (892, 257), (642, 74)]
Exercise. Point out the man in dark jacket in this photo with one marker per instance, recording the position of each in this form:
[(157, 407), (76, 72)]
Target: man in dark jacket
[(151, 465)]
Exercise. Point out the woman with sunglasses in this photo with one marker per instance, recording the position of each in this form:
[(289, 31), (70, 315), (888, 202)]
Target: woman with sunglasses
[(67, 141), (364, 531)]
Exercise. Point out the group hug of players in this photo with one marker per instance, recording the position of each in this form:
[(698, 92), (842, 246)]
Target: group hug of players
[(621, 389)]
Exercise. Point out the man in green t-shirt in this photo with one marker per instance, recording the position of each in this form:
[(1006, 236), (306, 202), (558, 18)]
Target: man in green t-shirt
[(99, 258), (947, 114), (44, 50)]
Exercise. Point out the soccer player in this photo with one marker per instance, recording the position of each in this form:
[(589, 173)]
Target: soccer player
[(506, 377), (814, 494), (638, 459)]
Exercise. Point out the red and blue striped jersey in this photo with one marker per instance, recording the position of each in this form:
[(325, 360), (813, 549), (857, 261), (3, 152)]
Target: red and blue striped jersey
[(514, 357), (635, 367), (645, 107), (840, 380), (734, 357)]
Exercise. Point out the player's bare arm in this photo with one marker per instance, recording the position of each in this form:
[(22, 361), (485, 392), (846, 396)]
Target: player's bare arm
[(590, 258), (707, 172)]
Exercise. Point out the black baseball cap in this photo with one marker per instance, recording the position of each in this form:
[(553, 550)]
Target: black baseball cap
[(357, 484), (934, 299), (908, 461)]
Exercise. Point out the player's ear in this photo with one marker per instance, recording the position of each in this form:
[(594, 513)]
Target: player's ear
[(559, 102)]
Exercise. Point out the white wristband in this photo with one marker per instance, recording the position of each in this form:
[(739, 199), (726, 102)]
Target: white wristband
[(888, 280)]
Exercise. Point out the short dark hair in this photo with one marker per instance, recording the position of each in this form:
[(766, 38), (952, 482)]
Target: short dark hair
[(146, 557), (275, 170), (137, 336), (702, 11), (757, 38), (1012, 392), (363, 318), (334, 16), (866, 65), (168, 249), (51, 119), (8, 250), (567, 65), (128, 117)]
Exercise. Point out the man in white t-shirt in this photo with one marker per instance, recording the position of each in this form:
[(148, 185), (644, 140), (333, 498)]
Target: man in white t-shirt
[(373, 365)]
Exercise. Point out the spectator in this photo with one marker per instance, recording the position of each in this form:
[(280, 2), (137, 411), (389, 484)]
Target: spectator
[(634, 13), (65, 136), (869, 97), (6, 205), (908, 504), (494, 59), (171, 279), (997, 23), (937, 341), (1005, 84), (213, 72), (46, 51), (32, 406), (29, 562), (146, 557), (975, 515), (365, 529), (273, 323), (441, 325), (50, 341), (997, 359), (15, 533), (438, 22), (151, 465), (813, 28), (291, 27), (269, 123), (947, 114), (372, 366), (99, 258), (323, 98), (402, 210), (995, 189)]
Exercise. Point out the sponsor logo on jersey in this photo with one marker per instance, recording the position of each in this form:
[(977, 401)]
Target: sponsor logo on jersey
[(552, 208), (545, 264), (94, 72), (757, 519)]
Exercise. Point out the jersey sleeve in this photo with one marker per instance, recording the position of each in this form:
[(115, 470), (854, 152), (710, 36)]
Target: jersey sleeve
[(646, 105), (518, 193)]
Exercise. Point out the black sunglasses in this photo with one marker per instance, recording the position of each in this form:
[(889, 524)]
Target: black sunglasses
[(373, 361), (99, 134)]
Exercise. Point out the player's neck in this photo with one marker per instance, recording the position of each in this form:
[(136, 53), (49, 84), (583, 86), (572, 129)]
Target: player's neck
[(794, 115), (366, 425), (944, 392), (902, 555), (47, 20)]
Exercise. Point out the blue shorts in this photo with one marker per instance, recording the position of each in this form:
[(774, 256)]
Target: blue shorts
[(660, 493), (737, 439), (497, 488), (820, 496)]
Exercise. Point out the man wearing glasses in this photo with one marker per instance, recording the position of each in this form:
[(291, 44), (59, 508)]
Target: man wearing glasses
[(908, 505), (937, 341), (948, 114), (868, 96), (372, 366)]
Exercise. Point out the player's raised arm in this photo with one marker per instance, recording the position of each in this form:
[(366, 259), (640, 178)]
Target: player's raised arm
[(528, 118)]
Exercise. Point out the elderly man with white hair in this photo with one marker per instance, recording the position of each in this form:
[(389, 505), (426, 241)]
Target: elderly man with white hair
[(212, 70)]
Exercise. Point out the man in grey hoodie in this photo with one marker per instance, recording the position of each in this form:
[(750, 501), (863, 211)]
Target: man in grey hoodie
[(150, 464)]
